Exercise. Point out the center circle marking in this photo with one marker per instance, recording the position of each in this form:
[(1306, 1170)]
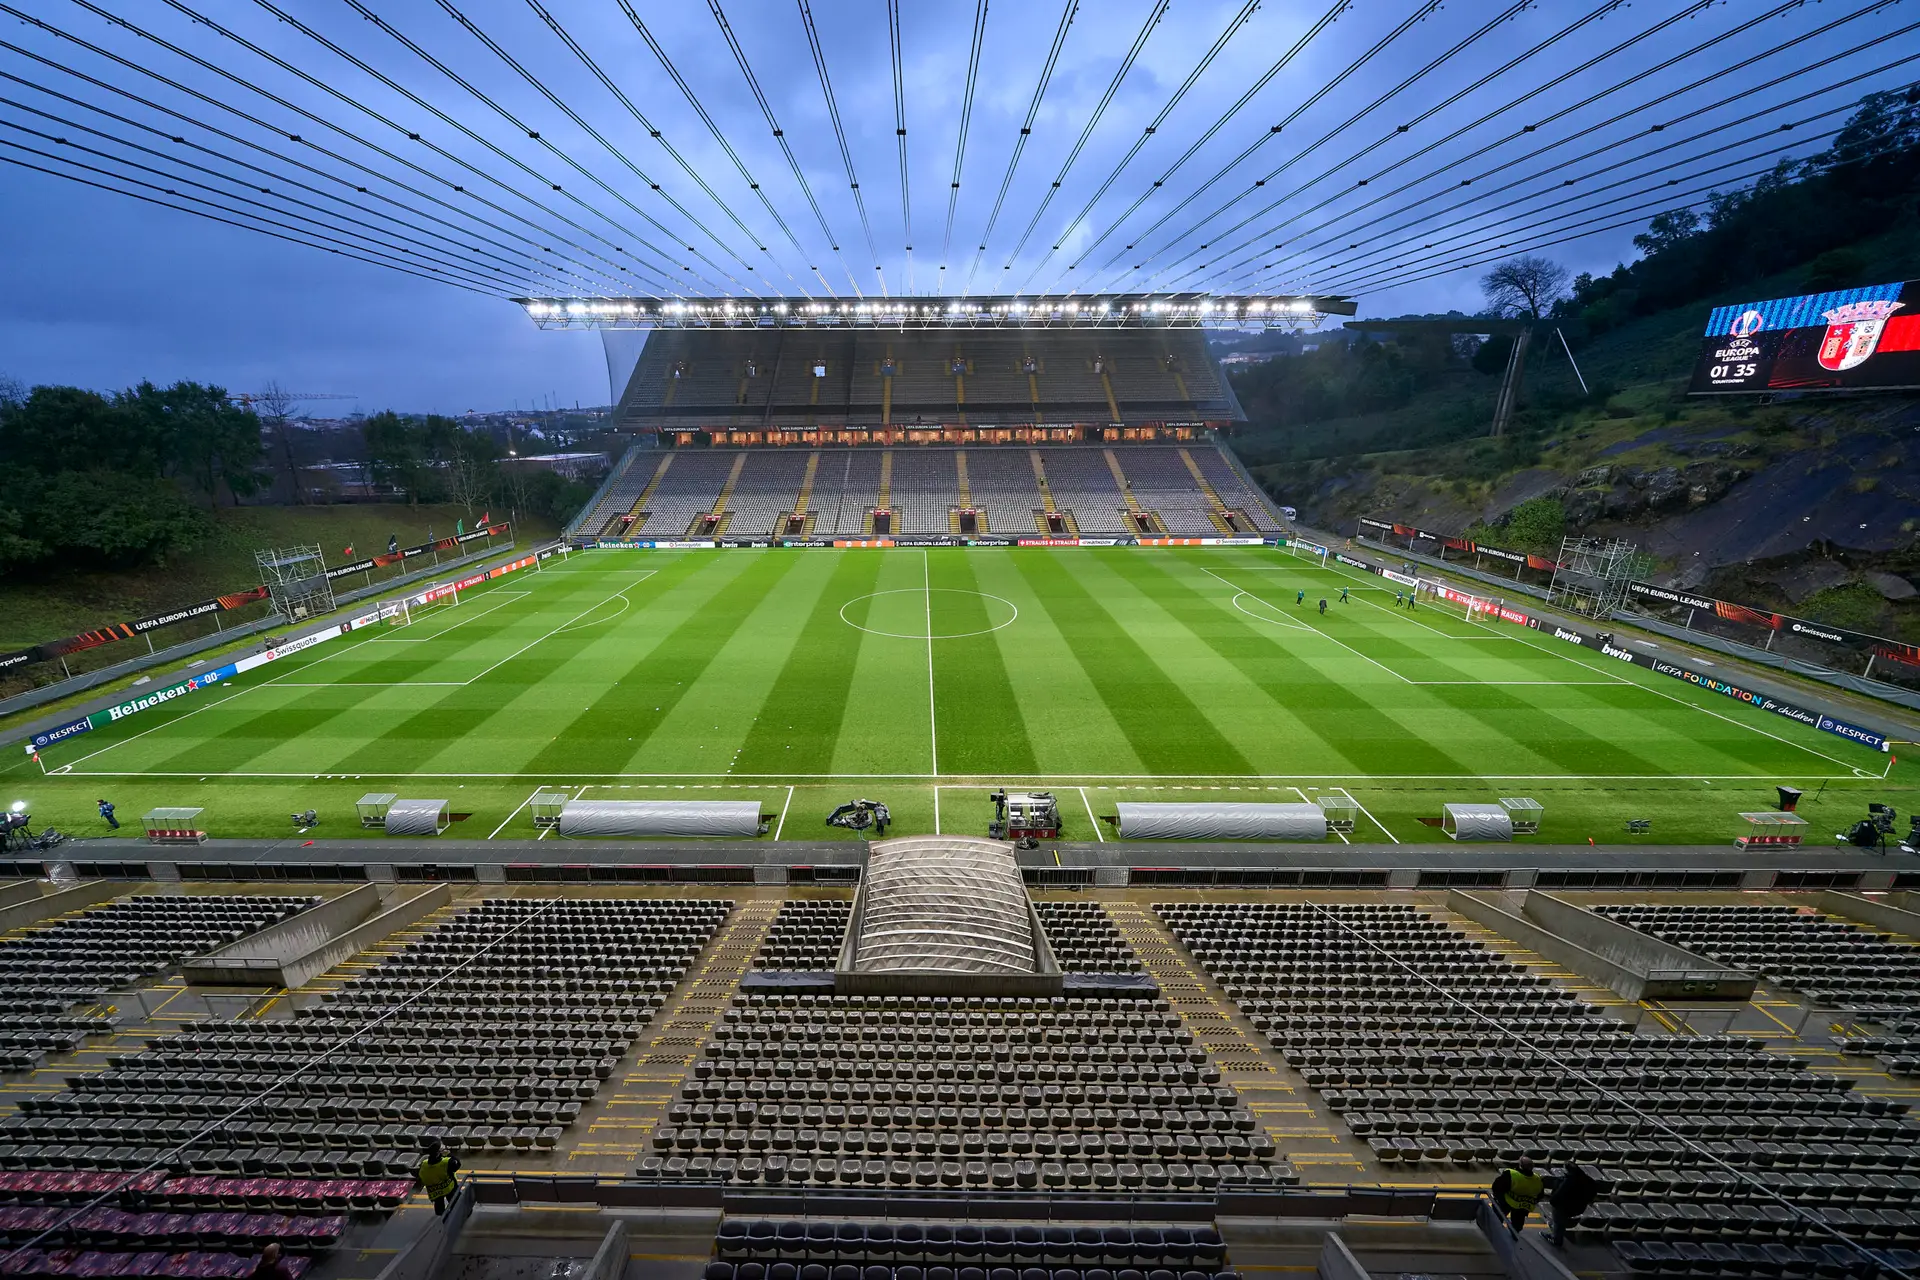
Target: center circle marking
[(923, 635)]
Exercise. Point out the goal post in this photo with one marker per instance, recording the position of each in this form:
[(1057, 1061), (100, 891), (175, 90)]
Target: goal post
[(1313, 551)]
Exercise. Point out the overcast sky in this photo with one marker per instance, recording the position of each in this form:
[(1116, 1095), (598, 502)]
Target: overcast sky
[(100, 289)]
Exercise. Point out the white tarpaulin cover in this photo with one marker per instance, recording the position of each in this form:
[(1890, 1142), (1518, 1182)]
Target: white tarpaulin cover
[(953, 903), (588, 817), (416, 817), (1477, 822), (1213, 820)]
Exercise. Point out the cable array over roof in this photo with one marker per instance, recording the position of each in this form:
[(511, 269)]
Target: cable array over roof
[(522, 149)]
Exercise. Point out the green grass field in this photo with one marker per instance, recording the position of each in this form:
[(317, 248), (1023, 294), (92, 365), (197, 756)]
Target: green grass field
[(925, 678)]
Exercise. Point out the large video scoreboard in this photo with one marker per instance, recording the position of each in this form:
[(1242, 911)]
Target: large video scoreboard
[(1849, 339)]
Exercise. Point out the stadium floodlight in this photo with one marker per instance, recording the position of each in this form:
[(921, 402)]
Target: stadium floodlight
[(1125, 311)]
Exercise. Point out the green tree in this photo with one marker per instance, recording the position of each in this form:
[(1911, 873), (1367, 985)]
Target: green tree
[(199, 433), (396, 452), (1536, 525)]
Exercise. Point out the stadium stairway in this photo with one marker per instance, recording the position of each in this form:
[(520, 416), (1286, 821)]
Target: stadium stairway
[(720, 512), (1141, 517), (613, 1131), (639, 508), (1216, 509), (1280, 1100), (1045, 516), (803, 500)]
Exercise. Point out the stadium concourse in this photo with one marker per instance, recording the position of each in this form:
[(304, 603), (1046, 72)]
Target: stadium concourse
[(743, 1082)]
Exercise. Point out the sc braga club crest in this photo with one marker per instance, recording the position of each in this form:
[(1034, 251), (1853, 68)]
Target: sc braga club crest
[(1853, 333)]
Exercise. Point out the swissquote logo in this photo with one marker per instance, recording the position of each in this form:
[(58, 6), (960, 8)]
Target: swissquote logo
[(1818, 633), (1853, 333)]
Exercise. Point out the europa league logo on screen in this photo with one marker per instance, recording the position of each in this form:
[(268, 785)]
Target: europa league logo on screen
[(1853, 332)]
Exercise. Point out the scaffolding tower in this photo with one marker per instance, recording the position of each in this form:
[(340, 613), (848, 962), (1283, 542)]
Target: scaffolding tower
[(296, 580), (1591, 574)]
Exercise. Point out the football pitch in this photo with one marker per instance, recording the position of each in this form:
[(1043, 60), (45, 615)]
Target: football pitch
[(926, 678)]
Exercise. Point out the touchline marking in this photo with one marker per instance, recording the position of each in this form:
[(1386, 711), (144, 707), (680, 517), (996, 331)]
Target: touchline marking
[(1303, 795), (1370, 818), (509, 818), (781, 825), (1056, 779), (1316, 630), (933, 706), (1101, 838)]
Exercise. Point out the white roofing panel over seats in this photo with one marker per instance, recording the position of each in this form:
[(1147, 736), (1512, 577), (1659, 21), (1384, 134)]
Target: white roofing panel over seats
[(945, 903)]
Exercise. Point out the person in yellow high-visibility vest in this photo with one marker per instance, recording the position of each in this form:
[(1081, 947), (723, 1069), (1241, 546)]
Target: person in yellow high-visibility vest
[(436, 1175), (1516, 1191)]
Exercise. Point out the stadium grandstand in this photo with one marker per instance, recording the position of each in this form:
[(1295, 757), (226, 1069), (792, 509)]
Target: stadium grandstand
[(1006, 425)]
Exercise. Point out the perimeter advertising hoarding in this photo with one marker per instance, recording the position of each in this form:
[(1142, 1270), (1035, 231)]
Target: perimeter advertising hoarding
[(1866, 337)]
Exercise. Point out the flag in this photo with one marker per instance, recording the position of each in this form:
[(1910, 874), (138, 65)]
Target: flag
[(486, 518), (393, 543), (459, 528), (347, 551)]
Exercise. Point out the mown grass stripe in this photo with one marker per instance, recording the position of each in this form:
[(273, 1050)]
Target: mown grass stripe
[(981, 730), (800, 720), (1169, 733)]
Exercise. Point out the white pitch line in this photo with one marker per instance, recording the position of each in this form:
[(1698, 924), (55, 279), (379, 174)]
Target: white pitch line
[(621, 594), (507, 598), (1316, 630), (509, 818), (933, 710), (1661, 693), (543, 831), (1060, 779), (1303, 795), (936, 809), (1090, 818), (781, 825), (1370, 818)]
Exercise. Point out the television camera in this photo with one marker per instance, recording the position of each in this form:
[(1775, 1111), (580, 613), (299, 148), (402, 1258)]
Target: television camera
[(858, 815)]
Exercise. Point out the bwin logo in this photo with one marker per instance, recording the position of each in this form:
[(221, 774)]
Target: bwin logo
[(1570, 637), (1612, 652)]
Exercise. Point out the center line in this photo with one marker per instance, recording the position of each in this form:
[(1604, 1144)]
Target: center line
[(933, 718)]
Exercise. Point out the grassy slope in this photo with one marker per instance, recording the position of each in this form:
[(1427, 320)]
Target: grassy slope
[(1647, 360), (39, 607), (1137, 674)]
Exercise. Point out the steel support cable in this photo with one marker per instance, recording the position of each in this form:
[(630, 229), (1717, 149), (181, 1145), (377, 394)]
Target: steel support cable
[(473, 250), (1152, 127), (586, 59), (966, 119), (1369, 273), (1113, 87), (211, 217), (1020, 141), (300, 235), (671, 284), (693, 100), (486, 276), (381, 257), (1508, 105), (1220, 122), (262, 53), (1581, 232), (900, 130), (1353, 68), (1343, 220), (283, 1077), (780, 136), (1612, 1095), (840, 136), (1436, 108), (403, 162), (1375, 248), (580, 122), (1745, 94)]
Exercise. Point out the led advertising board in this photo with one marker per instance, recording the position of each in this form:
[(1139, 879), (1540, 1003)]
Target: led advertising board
[(1848, 339)]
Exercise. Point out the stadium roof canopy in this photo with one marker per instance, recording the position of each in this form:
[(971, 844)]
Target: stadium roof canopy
[(1041, 311)]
